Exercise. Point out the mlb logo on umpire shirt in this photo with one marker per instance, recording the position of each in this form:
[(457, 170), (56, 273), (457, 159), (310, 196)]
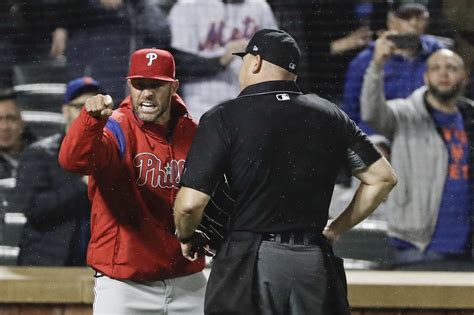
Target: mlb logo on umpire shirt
[(283, 97)]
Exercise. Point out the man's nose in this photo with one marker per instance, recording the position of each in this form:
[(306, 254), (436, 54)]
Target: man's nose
[(413, 22), (443, 71), (3, 124), (147, 92)]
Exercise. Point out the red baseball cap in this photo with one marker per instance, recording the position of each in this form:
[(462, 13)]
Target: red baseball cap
[(152, 63)]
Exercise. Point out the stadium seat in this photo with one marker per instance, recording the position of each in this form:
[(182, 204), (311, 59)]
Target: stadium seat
[(43, 124), (40, 87), (11, 225), (33, 101), (45, 72)]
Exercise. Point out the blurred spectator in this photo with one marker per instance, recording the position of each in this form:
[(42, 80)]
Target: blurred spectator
[(336, 32), (37, 21), (430, 210), (8, 35), (439, 24), (214, 29), (459, 15), (54, 201), (150, 23), (98, 35), (13, 136), (404, 69), (295, 22)]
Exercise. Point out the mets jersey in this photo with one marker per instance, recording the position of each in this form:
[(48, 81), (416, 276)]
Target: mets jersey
[(204, 27)]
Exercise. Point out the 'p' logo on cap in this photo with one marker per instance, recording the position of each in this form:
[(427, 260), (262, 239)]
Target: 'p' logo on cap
[(152, 63), (151, 56)]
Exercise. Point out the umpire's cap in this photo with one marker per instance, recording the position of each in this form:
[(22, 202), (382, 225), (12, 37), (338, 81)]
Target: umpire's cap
[(274, 46), (152, 63)]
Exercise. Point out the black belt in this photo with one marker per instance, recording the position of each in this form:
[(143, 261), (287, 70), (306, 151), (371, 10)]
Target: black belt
[(294, 238)]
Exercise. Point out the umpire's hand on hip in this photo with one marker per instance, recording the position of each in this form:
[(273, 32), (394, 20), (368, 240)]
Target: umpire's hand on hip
[(99, 106)]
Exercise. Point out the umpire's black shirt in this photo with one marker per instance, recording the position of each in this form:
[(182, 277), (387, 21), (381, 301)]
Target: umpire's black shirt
[(281, 151)]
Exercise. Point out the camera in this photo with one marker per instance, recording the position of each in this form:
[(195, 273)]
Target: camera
[(405, 41)]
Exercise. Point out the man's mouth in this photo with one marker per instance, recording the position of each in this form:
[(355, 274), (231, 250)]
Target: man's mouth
[(445, 85), (147, 107)]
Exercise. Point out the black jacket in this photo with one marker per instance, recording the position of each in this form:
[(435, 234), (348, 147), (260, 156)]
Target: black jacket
[(9, 162), (56, 206)]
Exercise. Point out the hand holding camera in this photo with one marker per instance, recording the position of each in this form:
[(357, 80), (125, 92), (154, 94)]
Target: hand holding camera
[(390, 43)]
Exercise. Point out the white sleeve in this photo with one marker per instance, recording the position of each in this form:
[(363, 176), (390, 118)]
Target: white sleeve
[(268, 18), (183, 25)]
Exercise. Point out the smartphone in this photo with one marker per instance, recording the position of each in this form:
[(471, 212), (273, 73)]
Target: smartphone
[(405, 41)]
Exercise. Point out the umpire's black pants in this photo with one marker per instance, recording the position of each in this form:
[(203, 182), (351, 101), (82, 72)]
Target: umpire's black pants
[(291, 279)]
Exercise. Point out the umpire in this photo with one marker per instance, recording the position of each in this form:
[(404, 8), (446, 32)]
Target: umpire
[(281, 151)]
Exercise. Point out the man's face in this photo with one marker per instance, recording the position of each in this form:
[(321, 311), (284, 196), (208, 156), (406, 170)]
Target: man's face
[(445, 75), (415, 23), (11, 125), (72, 109), (151, 99)]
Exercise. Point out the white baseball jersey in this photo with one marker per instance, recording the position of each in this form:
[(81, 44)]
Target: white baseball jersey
[(203, 28)]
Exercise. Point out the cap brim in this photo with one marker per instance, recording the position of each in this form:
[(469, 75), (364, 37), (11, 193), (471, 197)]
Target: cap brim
[(161, 78), (240, 54)]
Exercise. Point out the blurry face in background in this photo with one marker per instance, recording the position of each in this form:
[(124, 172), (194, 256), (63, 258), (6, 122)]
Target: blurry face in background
[(72, 109), (445, 75), (11, 126), (151, 99), (413, 22)]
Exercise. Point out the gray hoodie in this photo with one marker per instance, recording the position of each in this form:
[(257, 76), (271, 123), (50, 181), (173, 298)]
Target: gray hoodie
[(419, 158)]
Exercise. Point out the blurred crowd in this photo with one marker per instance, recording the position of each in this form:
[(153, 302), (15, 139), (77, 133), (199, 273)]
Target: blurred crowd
[(362, 55)]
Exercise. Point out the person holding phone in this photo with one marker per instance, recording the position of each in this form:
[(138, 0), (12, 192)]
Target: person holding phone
[(429, 222), (404, 69)]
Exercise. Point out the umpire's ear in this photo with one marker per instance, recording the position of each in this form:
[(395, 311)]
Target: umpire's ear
[(257, 64)]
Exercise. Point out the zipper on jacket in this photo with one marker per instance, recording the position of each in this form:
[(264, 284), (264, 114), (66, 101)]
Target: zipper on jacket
[(177, 128), (171, 155)]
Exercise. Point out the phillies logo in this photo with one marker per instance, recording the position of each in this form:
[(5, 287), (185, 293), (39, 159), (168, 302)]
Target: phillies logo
[(151, 57), (152, 171)]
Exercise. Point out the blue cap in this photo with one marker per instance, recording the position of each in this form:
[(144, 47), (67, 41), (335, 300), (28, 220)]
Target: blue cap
[(79, 86)]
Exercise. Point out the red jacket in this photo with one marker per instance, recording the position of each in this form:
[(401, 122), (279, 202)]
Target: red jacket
[(134, 180)]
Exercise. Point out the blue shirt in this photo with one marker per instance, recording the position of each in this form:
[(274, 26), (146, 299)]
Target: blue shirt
[(452, 230), (402, 77)]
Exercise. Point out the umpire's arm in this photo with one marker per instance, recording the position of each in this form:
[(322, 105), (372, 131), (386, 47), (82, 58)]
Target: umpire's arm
[(377, 180), (205, 166), (188, 209)]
